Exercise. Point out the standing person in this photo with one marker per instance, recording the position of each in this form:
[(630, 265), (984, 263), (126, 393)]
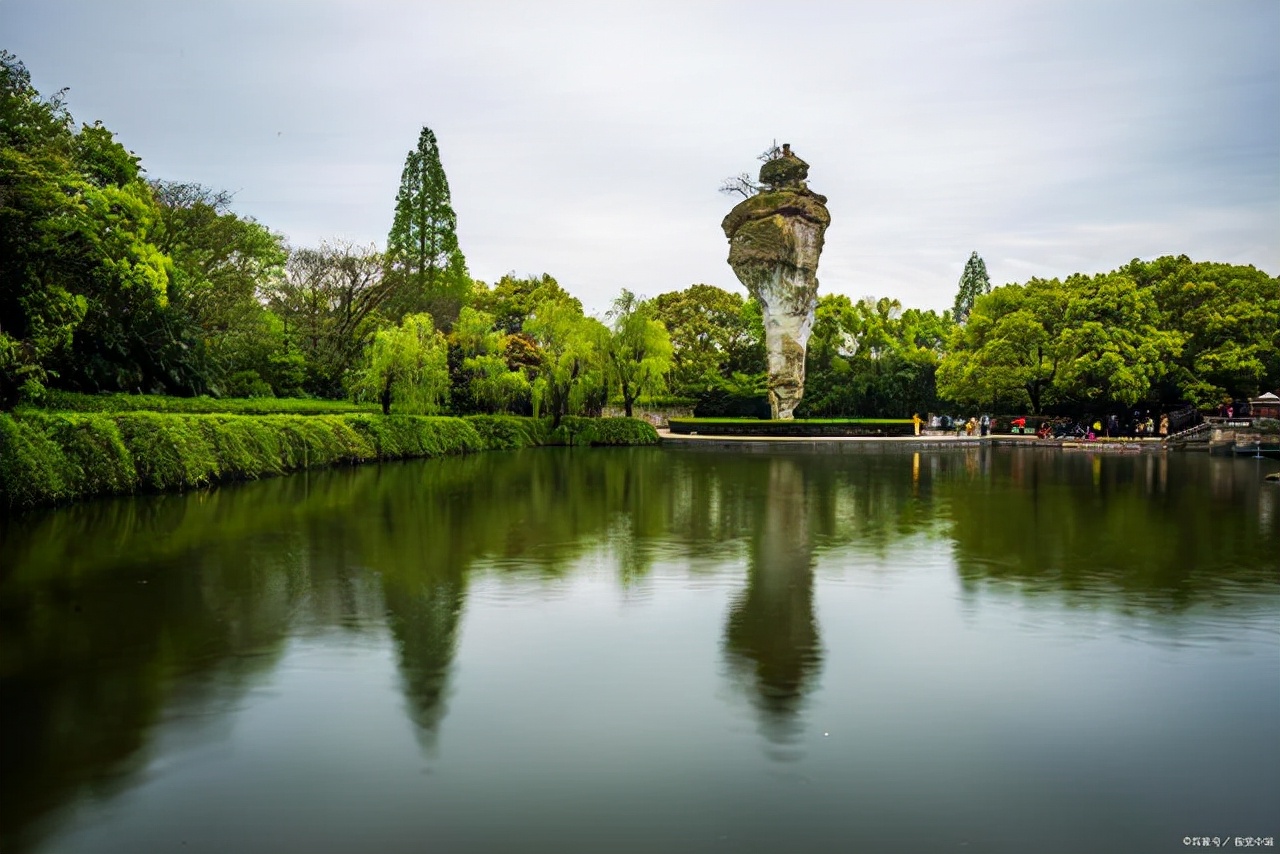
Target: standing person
[(1164, 425), (985, 424), (917, 421), (970, 426)]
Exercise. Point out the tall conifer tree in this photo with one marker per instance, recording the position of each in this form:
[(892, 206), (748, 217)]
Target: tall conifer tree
[(422, 248), (974, 282)]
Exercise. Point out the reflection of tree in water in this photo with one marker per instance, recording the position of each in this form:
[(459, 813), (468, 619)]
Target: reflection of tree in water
[(424, 621), (771, 639), (1149, 530)]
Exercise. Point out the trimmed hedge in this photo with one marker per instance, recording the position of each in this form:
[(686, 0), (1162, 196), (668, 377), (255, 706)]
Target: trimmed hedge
[(604, 431), (46, 458), (816, 428), (69, 401)]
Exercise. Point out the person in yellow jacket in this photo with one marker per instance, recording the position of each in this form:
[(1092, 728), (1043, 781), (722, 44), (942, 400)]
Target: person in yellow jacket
[(917, 421)]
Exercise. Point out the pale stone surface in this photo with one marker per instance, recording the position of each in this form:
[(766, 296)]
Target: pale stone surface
[(775, 238)]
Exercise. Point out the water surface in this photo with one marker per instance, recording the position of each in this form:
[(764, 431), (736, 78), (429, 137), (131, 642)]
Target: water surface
[(652, 650)]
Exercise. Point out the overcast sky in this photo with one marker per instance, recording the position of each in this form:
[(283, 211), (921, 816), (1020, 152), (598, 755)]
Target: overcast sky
[(587, 140)]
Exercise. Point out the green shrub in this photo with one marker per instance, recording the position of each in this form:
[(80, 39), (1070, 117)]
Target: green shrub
[(99, 463), (604, 431), (169, 452), (33, 468), (47, 457), (402, 436), (246, 448), (510, 432)]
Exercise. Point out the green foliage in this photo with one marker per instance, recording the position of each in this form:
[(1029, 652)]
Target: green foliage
[(577, 431), (428, 268), (98, 461), (974, 282), (169, 452), (872, 358), (512, 301), (484, 380), (571, 372), (221, 263), (1086, 341), (1227, 316), (509, 433), (798, 427), (33, 468), (405, 436), (47, 458), (714, 335), (639, 349), (407, 367)]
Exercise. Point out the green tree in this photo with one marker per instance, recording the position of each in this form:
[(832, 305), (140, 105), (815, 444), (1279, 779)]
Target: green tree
[(571, 371), (974, 282), (486, 382), (328, 300), (513, 299), (39, 211), (1010, 350), (407, 367), (427, 267), (872, 358), (1089, 340), (1115, 350), (86, 290), (222, 265), (714, 334), (639, 349), (1226, 314)]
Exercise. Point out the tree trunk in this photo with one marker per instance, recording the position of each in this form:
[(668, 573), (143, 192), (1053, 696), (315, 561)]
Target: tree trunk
[(385, 397)]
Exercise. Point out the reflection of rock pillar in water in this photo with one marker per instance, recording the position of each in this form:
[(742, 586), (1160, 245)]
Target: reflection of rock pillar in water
[(775, 238), (772, 636)]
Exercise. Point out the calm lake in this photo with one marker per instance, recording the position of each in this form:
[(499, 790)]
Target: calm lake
[(653, 650)]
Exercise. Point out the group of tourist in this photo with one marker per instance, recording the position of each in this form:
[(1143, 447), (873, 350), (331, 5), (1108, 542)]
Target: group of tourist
[(1142, 425)]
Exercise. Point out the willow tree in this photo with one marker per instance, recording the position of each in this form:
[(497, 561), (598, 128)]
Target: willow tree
[(639, 349), (425, 263), (407, 367)]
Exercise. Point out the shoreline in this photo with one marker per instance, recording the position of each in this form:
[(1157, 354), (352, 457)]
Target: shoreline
[(923, 442)]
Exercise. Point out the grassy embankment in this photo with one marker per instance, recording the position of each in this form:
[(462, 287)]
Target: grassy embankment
[(51, 456)]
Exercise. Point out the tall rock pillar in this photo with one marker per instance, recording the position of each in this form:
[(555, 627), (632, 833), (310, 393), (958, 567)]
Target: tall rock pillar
[(775, 238)]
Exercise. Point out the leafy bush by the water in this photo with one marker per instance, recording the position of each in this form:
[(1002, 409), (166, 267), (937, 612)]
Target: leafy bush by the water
[(47, 457), (98, 463), (33, 469), (510, 432), (604, 431), (404, 436)]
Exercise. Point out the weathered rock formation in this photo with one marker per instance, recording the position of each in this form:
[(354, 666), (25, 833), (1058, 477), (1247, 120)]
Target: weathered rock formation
[(775, 238)]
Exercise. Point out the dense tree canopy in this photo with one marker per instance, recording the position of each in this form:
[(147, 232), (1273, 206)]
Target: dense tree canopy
[(1087, 340)]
